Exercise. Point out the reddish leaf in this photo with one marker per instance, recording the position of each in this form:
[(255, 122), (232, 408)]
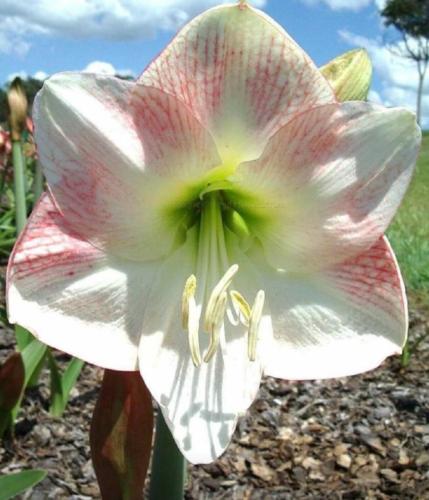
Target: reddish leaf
[(12, 379), (121, 435), (12, 376)]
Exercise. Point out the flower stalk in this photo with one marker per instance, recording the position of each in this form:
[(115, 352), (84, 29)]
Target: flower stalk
[(19, 186), (168, 473), (17, 103)]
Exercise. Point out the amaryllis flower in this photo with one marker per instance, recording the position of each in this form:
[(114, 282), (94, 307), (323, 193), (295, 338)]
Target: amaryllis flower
[(5, 148), (220, 219)]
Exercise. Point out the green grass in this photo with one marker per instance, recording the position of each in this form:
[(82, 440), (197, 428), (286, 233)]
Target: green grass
[(409, 232)]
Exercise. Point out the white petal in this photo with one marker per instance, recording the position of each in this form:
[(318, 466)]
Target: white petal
[(200, 404), (74, 297), (339, 322)]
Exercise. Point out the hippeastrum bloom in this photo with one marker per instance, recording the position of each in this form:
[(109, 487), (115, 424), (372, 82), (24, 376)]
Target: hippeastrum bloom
[(220, 219), (5, 148)]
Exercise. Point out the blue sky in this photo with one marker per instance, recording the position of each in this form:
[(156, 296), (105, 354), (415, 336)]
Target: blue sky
[(126, 34)]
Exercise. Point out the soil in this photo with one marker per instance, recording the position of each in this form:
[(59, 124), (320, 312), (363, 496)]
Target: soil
[(362, 437)]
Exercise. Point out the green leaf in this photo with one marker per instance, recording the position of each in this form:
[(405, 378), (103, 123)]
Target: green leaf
[(14, 484), (56, 388), (61, 385), (349, 75), (32, 355), (71, 375), (23, 337), (38, 370)]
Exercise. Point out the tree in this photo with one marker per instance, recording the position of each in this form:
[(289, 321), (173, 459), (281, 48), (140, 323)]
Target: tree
[(411, 19)]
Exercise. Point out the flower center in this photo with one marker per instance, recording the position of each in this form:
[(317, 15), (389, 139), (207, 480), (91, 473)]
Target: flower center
[(217, 304)]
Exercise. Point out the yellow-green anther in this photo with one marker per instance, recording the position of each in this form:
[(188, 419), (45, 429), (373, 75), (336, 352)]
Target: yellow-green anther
[(193, 327), (188, 292), (242, 304), (218, 290), (349, 75), (218, 319), (254, 322)]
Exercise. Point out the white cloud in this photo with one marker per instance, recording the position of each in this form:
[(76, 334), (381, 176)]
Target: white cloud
[(354, 5), (12, 36), (100, 67), (109, 19), (398, 75), (40, 75), (380, 4), (21, 74), (106, 68)]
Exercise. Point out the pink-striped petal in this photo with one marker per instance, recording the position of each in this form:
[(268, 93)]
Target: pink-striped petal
[(329, 182), (242, 76), (339, 322), (115, 154), (74, 297)]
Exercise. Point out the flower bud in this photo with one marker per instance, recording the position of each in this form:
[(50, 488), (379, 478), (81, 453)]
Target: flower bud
[(121, 435), (349, 75), (18, 105)]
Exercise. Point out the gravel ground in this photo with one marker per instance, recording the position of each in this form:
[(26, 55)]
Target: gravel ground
[(362, 437)]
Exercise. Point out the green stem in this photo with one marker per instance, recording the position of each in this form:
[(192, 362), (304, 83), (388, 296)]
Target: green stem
[(19, 185), (406, 354), (168, 465), (22, 336), (38, 181)]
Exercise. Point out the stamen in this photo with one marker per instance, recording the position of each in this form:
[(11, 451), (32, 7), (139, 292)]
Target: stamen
[(217, 292), (254, 321), (218, 317), (193, 327), (241, 303), (188, 292)]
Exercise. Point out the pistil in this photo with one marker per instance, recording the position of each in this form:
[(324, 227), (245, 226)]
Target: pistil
[(213, 292), (216, 325)]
